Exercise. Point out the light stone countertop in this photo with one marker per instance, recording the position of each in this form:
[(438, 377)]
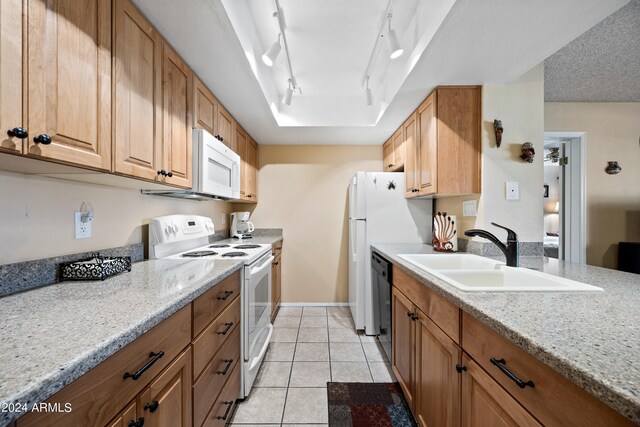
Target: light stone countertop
[(51, 336), (592, 338)]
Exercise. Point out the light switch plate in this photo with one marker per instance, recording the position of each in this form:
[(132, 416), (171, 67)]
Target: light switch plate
[(469, 208), (82, 229), (513, 190)]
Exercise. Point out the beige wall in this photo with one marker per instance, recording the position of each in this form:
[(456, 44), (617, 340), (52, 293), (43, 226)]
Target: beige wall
[(520, 107), (613, 201), (303, 189), (37, 215)]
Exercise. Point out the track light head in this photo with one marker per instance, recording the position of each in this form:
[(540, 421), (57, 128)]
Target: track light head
[(288, 95), (368, 95), (271, 54), (394, 44)]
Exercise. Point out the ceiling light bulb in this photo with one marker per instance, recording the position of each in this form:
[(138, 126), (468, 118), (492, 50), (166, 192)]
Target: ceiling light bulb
[(270, 55), (287, 96), (394, 44)]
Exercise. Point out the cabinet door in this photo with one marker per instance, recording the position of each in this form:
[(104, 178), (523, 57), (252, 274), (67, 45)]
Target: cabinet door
[(205, 107), (459, 146), (226, 127), (276, 286), (137, 90), (11, 24), (403, 344), (69, 81), (485, 403), (398, 150), (127, 418), (387, 155), (167, 400), (437, 381), (178, 89), (411, 160), (251, 170), (241, 144), (428, 146)]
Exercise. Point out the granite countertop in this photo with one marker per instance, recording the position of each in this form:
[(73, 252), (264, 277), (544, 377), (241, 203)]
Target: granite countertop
[(52, 335), (592, 338)]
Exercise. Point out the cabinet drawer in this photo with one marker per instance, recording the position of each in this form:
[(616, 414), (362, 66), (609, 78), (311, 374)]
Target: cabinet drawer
[(554, 400), (208, 386), (443, 313), (222, 410), (211, 339), (211, 303), (100, 394)]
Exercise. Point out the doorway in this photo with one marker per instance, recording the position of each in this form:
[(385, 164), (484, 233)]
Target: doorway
[(565, 198)]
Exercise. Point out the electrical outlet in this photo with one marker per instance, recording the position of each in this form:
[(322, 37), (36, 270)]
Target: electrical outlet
[(469, 208), (223, 219), (82, 228)]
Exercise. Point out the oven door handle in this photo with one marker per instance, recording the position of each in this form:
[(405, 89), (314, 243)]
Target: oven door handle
[(257, 270), (263, 350)]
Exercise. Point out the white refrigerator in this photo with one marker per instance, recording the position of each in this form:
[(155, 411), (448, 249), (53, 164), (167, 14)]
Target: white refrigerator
[(379, 213)]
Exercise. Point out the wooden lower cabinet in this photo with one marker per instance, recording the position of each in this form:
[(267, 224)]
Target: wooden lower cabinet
[(437, 393), (223, 408), (127, 418), (486, 404), (449, 365)]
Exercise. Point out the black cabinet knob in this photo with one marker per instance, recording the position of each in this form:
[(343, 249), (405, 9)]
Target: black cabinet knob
[(136, 423), (151, 407), (20, 133), (43, 139), (460, 368), (169, 174), (162, 172)]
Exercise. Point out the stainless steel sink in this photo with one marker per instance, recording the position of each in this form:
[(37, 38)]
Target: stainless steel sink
[(473, 273)]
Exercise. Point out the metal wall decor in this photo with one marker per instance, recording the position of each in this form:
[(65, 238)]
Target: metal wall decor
[(444, 233), (527, 152), (498, 129), (613, 168)]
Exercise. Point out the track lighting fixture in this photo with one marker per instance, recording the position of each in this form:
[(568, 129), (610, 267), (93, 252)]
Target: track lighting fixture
[(392, 39), (368, 95), (271, 54), (288, 94)]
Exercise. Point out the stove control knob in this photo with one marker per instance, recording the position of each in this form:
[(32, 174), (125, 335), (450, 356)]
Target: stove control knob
[(174, 226), (167, 229)]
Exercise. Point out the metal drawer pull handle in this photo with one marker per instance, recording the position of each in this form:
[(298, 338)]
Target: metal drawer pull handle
[(156, 357), (228, 326), (137, 423), (226, 295), (152, 407), (500, 364), (229, 404), (226, 368)]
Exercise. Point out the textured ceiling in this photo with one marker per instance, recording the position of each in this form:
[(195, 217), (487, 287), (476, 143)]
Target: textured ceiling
[(602, 65)]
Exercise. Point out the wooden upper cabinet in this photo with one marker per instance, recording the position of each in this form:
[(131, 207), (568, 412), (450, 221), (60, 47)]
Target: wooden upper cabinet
[(226, 129), (447, 149), (410, 131), (11, 25), (251, 171), (205, 107), (69, 81), (241, 142), (387, 155), (137, 118), (177, 118), (459, 145), (398, 149), (428, 148)]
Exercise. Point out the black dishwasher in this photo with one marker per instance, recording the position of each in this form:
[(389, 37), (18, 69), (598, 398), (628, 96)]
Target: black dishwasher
[(381, 286)]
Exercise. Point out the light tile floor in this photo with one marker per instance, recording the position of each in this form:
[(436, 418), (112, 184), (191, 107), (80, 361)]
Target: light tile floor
[(309, 347)]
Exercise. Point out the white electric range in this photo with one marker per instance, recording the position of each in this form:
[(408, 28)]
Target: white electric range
[(188, 237)]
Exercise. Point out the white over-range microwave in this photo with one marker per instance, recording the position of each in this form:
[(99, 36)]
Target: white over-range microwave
[(216, 171)]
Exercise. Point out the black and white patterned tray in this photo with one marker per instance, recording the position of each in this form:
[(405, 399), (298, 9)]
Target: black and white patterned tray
[(94, 268)]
